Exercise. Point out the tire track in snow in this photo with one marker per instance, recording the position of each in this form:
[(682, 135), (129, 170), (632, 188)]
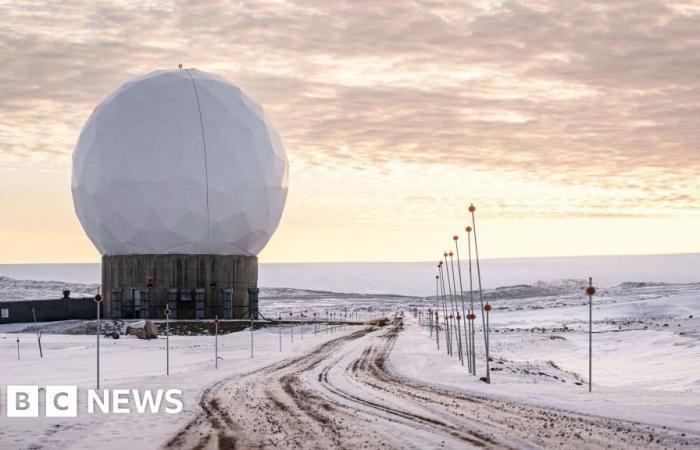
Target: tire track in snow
[(343, 395)]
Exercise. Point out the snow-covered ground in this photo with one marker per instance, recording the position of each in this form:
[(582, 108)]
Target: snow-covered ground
[(130, 363), (646, 363), (13, 289), (646, 353), (418, 278)]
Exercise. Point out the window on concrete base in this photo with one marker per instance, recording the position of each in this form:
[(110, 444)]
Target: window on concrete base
[(136, 302), (199, 300)]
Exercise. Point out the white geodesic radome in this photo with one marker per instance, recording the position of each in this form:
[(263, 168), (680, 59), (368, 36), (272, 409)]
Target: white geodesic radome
[(179, 161)]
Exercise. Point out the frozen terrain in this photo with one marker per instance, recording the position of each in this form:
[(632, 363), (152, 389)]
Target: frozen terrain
[(13, 289), (368, 386), (417, 278)]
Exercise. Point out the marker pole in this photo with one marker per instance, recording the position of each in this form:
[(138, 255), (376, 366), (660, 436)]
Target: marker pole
[(98, 300), (481, 297), (448, 344), (437, 330), (18, 358), (167, 340), (448, 317), (38, 333), (467, 340), (453, 313), (430, 323), (472, 328), (456, 307), (590, 291), (487, 308), (437, 302), (216, 342)]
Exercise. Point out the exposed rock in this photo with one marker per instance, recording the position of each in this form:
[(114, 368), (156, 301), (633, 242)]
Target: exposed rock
[(151, 330), (143, 330)]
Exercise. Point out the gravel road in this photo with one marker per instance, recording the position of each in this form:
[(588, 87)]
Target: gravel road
[(343, 395)]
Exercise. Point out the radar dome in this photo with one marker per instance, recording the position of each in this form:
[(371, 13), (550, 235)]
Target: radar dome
[(179, 161)]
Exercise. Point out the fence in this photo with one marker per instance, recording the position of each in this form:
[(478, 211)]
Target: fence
[(47, 310)]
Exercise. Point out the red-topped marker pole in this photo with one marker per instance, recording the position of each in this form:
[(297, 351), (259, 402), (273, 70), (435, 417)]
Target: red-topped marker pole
[(472, 329), (472, 208), (487, 308), (455, 307), (98, 300), (591, 292), (437, 301), (467, 340), (279, 325), (448, 336), (448, 314)]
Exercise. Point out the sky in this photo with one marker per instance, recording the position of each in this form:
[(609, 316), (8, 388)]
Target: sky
[(572, 126)]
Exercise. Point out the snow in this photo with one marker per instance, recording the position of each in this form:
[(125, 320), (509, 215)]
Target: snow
[(130, 363), (646, 360), (12, 289), (642, 370), (418, 278)]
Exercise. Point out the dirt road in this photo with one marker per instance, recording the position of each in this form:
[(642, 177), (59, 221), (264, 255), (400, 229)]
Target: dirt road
[(343, 395)]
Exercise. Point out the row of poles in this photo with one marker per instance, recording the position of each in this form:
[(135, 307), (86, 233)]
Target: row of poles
[(448, 301), (457, 314), (331, 327)]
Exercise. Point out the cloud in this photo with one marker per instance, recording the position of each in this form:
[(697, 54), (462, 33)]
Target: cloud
[(593, 103)]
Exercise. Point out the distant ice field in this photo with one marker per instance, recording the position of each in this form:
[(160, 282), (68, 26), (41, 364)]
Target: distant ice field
[(418, 278)]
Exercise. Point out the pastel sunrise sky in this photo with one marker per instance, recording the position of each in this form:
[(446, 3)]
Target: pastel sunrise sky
[(574, 126)]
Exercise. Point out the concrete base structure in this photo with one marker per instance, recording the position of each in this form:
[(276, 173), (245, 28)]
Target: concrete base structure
[(192, 286)]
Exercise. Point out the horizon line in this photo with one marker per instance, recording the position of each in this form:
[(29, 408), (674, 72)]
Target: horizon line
[(498, 258)]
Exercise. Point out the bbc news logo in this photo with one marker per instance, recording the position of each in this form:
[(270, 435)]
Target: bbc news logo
[(62, 401)]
